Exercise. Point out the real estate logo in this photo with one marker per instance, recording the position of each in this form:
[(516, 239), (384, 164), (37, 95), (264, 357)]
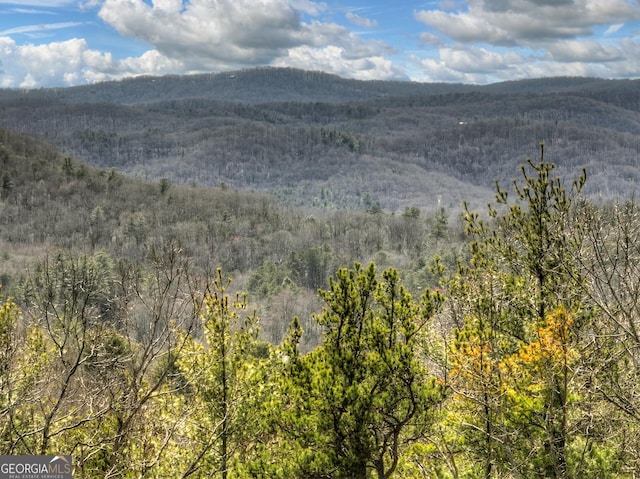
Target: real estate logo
[(35, 467)]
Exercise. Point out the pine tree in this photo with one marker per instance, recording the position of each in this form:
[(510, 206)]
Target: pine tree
[(367, 385), (523, 267), (222, 371)]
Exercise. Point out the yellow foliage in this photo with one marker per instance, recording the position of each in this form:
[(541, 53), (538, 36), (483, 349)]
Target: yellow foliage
[(482, 369), (549, 354)]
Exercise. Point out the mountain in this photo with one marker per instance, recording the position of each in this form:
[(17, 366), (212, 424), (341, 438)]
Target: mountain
[(315, 139), (245, 86)]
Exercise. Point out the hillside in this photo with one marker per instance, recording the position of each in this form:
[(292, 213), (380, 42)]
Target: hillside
[(51, 203), (318, 140)]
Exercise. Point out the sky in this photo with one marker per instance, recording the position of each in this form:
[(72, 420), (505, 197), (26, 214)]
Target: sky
[(54, 43)]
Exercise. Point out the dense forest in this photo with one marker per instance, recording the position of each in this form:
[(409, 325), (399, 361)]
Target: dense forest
[(318, 140), (52, 202), (155, 327)]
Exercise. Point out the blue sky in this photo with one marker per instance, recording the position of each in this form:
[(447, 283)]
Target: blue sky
[(69, 42)]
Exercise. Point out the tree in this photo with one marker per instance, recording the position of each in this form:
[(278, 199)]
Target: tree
[(610, 261), (6, 185), (159, 316), (522, 267), (102, 348), (9, 394), (68, 302), (221, 371), (440, 225), (537, 387), (165, 184), (287, 442), (369, 393)]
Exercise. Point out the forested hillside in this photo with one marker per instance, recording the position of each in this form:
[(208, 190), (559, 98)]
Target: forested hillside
[(51, 202), (318, 140), (506, 351)]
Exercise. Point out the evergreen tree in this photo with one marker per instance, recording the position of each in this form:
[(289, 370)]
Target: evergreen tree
[(365, 383), (523, 267), (222, 372)]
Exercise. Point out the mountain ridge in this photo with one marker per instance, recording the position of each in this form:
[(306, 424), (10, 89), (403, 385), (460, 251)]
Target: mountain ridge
[(290, 84), (315, 139)]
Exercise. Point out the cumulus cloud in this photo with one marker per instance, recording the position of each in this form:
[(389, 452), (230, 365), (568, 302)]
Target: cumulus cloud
[(511, 22), (207, 34), (589, 51), (478, 60), (235, 33), (195, 36), (470, 65), (71, 62), (335, 60), (464, 27), (556, 34), (459, 40)]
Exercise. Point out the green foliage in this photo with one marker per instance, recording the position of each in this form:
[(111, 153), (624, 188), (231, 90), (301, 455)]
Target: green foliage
[(222, 373), (340, 138), (6, 185), (119, 350), (311, 267), (515, 355), (411, 212), (367, 393), (105, 210), (165, 184), (269, 279), (537, 237), (440, 225), (9, 322)]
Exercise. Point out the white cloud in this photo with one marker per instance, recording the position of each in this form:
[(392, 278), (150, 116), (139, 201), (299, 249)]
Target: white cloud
[(32, 11), (486, 40), (510, 22), (39, 3), (434, 70), (309, 7), (470, 65), (225, 34), (464, 27), (589, 51), (72, 62), (361, 21), (168, 6), (461, 40), (428, 39), (613, 29), (197, 36), (332, 59), (151, 62), (478, 60), (39, 28), (206, 34)]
